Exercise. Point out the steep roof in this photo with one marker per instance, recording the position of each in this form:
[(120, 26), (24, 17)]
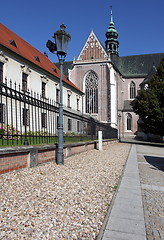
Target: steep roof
[(19, 46), (138, 65)]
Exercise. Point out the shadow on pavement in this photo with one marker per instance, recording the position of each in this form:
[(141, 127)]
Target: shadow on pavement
[(157, 162)]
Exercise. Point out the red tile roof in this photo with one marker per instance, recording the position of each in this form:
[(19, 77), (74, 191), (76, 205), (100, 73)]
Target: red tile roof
[(16, 44)]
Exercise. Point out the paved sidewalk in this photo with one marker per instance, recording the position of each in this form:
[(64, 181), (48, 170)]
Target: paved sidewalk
[(126, 220), (151, 169)]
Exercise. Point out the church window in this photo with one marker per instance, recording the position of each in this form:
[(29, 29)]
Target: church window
[(129, 122), (91, 93), (132, 90)]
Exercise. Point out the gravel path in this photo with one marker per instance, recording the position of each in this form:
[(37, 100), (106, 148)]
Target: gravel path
[(57, 202)]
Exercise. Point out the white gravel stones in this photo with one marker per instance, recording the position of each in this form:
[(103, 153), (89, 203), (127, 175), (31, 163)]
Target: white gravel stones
[(57, 202)]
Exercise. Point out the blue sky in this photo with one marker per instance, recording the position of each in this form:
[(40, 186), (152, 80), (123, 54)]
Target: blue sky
[(140, 23)]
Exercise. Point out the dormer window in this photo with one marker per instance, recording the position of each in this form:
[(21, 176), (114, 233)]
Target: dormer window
[(54, 70), (37, 58), (12, 42), (45, 54)]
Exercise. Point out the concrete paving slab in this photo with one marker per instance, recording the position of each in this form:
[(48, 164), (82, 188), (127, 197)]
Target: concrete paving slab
[(126, 220), (132, 181), (113, 235), (125, 212), (129, 196), (127, 203), (126, 187), (126, 225)]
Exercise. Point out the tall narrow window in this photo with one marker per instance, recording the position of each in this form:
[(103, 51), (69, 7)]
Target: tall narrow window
[(57, 120), (44, 120), (43, 89), (2, 113), (26, 117), (132, 90), (69, 124), (78, 126), (129, 122), (91, 93), (69, 100), (24, 81), (57, 95), (77, 104), (1, 72)]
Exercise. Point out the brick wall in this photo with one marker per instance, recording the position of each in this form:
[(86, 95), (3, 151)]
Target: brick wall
[(13, 161), (47, 155), (15, 158)]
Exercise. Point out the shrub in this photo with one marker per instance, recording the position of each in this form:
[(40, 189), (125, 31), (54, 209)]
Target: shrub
[(9, 132)]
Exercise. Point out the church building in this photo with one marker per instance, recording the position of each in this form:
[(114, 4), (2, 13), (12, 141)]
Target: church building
[(110, 82)]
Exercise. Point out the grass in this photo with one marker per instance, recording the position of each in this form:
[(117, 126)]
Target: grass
[(40, 140), (115, 187)]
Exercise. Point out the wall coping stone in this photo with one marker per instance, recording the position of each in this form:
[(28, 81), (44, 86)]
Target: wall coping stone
[(14, 149)]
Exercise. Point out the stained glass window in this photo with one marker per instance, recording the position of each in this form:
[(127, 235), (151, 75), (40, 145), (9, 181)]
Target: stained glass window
[(91, 93), (132, 90)]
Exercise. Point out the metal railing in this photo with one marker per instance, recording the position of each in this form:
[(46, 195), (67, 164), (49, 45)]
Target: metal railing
[(28, 118)]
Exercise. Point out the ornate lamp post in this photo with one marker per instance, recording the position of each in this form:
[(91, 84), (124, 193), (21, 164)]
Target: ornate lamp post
[(60, 46)]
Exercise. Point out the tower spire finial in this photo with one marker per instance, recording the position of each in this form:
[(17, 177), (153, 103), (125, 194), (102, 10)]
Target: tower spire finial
[(111, 15)]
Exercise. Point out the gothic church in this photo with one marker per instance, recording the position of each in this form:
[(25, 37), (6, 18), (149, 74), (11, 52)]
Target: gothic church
[(110, 82)]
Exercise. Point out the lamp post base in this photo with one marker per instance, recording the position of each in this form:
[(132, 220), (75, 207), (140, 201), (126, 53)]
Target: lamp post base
[(60, 158)]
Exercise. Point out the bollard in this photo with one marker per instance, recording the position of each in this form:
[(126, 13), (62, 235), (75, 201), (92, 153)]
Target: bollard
[(99, 140)]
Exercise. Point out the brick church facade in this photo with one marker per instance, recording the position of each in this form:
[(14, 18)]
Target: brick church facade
[(110, 82)]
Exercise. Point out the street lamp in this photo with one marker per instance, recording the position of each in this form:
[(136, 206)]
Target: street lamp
[(60, 46), (119, 120)]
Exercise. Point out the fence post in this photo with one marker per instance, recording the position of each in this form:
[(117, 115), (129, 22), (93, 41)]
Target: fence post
[(99, 140)]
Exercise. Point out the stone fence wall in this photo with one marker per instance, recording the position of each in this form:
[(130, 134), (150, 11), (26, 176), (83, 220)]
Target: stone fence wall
[(14, 158)]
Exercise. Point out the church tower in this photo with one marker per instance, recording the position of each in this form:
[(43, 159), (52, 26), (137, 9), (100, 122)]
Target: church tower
[(112, 43)]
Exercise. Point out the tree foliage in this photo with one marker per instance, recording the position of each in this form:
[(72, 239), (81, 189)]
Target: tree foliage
[(149, 103)]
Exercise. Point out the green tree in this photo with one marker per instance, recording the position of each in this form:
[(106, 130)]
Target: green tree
[(149, 103)]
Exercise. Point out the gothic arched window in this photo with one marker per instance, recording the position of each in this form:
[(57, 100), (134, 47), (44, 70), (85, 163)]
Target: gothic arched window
[(91, 92), (129, 122), (132, 90)]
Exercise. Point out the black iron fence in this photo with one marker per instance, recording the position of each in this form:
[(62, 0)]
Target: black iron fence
[(28, 118)]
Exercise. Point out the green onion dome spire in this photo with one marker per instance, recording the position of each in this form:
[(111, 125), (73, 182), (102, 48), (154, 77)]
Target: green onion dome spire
[(112, 43)]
